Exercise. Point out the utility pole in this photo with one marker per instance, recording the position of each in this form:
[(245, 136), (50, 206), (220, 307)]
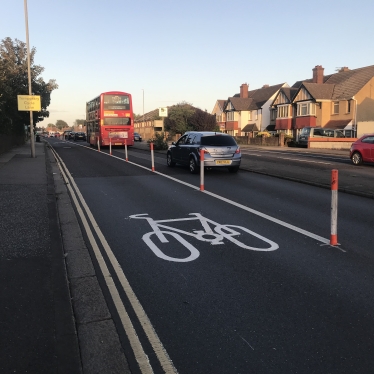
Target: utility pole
[(32, 140), (143, 108)]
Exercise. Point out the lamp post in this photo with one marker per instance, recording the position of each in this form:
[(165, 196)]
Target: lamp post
[(29, 76), (143, 108)]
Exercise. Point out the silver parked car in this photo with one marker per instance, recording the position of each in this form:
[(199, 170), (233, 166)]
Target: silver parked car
[(220, 150)]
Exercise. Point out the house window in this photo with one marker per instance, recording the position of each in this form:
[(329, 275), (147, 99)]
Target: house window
[(282, 111), (219, 117), (256, 115), (306, 109), (273, 114), (348, 106), (230, 116), (335, 107), (249, 116)]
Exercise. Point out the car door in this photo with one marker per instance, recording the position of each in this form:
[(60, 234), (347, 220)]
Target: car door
[(178, 148), (187, 148), (367, 145)]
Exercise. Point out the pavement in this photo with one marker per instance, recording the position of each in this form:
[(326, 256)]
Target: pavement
[(53, 316)]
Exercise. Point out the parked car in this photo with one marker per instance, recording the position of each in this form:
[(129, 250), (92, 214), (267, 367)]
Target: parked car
[(79, 136), (220, 150), (137, 137), (362, 150), (311, 132), (66, 134)]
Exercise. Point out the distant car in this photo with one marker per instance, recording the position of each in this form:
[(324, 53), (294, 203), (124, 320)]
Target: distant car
[(362, 150), (71, 135), (79, 136), (66, 134), (137, 137), (220, 150)]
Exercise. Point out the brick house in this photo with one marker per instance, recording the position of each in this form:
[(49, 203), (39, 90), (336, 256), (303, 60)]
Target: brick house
[(344, 100), (247, 111)]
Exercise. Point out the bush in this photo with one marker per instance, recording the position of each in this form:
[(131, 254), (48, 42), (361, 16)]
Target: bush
[(263, 133), (158, 141)]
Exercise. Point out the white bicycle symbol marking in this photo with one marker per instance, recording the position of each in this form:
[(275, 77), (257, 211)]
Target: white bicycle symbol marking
[(207, 235)]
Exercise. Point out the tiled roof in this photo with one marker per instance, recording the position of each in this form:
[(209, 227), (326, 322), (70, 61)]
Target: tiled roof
[(259, 96), (320, 91), (348, 83), (345, 84), (262, 95), (240, 103), (222, 103)]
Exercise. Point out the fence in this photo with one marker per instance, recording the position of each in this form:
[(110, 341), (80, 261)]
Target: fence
[(7, 142)]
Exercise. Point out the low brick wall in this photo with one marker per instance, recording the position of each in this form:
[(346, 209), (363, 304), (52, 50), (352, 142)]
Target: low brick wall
[(7, 142), (271, 141), (331, 143)]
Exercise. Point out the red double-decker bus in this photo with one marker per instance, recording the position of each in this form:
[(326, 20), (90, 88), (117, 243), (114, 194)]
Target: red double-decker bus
[(110, 119)]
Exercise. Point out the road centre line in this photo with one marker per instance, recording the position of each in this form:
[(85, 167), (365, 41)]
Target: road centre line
[(231, 202), (151, 334)]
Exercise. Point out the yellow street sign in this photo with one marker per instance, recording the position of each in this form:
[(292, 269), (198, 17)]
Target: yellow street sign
[(29, 103)]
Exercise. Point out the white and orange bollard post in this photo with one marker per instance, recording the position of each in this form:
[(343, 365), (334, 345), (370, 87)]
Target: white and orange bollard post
[(126, 150), (98, 144), (152, 157), (110, 146), (334, 208), (201, 170)]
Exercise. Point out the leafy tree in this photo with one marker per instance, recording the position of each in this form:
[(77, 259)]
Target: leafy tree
[(184, 117), (80, 122), (60, 124), (203, 121), (177, 121), (14, 81)]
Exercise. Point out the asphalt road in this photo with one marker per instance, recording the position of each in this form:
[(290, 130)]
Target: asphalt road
[(262, 292)]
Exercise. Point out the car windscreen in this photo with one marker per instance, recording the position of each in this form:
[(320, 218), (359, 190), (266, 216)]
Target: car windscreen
[(218, 140)]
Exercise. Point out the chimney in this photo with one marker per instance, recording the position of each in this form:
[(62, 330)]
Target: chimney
[(244, 91), (265, 86), (318, 74), (344, 68)]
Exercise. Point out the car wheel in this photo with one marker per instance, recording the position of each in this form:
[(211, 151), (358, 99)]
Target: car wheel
[(169, 160), (233, 169), (193, 166), (356, 158)]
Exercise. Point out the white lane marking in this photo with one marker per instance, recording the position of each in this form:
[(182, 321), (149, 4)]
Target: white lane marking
[(157, 346), (265, 216), (313, 162)]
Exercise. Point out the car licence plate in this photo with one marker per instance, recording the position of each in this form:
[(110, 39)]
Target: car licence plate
[(223, 162), (117, 143)]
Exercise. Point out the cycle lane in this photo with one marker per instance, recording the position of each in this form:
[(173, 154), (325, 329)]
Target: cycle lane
[(256, 283)]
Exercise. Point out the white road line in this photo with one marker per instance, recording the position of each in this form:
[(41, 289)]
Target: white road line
[(157, 346), (313, 162)]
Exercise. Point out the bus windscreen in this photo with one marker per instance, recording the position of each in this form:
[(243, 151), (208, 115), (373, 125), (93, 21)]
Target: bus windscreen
[(116, 102)]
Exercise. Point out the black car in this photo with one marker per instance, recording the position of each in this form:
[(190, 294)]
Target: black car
[(220, 150), (137, 137), (79, 136)]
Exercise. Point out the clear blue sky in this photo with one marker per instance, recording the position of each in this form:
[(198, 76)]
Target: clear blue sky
[(175, 50)]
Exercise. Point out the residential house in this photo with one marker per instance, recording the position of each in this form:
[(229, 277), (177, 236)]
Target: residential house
[(218, 111), (344, 100), (247, 111), (148, 124)]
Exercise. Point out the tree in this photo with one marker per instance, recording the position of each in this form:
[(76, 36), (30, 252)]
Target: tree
[(60, 124), (203, 121), (14, 81), (177, 121), (80, 122)]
